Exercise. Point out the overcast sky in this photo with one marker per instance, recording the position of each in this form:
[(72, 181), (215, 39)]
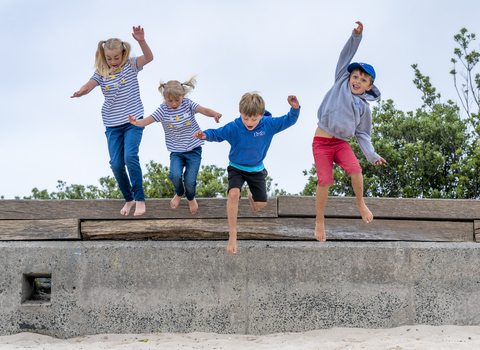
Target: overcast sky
[(275, 47)]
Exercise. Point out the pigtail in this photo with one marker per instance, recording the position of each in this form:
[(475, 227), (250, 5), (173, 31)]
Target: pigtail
[(189, 85), (101, 64), (161, 88)]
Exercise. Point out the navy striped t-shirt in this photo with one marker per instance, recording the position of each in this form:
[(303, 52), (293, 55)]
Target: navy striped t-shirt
[(122, 95), (179, 125)]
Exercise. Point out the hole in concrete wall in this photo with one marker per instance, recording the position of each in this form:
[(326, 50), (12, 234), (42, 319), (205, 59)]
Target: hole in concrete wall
[(37, 289)]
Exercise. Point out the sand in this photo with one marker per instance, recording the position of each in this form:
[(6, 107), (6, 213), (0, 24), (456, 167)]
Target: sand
[(401, 338)]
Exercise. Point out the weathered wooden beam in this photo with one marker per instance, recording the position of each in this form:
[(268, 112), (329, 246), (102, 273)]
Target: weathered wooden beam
[(388, 208), (30, 230), (476, 227), (280, 229), (109, 209)]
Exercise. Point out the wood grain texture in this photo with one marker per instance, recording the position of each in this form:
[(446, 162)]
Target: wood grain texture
[(280, 229), (28, 230), (109, 209), (476, 227), (388, 208)]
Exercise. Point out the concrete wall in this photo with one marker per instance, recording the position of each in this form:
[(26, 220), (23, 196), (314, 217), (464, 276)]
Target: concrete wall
[(268, 287)]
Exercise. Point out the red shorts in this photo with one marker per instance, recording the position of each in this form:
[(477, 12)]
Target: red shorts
[(326, 151)]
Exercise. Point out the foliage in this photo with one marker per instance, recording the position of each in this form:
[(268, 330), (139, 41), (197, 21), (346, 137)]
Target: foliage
[(431, 153), (212, 181)]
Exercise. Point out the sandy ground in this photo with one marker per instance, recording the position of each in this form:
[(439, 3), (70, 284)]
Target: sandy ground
[(401, 338)]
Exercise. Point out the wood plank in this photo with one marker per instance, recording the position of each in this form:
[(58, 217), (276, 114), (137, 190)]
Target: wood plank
[(387, 208), (29, 230), (110, 209), (281, 229), (476, 227)]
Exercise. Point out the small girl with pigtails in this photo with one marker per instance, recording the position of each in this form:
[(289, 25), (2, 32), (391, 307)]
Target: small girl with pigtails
[(116, 73), (177, 115)]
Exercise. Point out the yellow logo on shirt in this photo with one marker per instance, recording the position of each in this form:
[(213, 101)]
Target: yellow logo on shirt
[(189, 122), (112, 76), (107, 88), (177, 118), (170, 125)]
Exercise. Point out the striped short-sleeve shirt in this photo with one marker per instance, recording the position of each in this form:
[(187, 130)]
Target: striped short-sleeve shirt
[(122, 95), (179, 125)]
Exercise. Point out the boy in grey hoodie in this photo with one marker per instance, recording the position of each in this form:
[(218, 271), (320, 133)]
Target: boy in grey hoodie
[(345, 113)]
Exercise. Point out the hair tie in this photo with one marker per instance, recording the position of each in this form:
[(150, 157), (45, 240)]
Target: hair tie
[(104, 41), (181, 84)]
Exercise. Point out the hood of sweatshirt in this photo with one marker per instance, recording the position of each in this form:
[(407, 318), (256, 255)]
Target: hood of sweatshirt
[(371, 95)]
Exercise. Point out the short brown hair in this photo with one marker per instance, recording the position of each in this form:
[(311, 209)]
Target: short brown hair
[(252, 104)]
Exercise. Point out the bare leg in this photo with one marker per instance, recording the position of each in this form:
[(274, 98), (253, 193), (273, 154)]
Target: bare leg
[(193, 205), (232, 212), (175, 201), (320, 202), (126, 208), (357, 184), (255, 205), (140, 208)]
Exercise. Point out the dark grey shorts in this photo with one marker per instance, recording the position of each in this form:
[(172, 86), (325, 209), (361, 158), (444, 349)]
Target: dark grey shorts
[(255, 181)]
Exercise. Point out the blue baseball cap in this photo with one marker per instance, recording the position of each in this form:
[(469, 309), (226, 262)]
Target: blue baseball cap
[(365, 66)]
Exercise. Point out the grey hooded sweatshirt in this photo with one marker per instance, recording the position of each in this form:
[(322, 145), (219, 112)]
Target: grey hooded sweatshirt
[(343, 114)]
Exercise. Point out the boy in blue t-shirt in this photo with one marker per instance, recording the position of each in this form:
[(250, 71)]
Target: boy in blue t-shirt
[(250, 136)]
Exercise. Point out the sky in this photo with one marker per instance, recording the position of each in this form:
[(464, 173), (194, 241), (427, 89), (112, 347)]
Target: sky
[(275, 47)]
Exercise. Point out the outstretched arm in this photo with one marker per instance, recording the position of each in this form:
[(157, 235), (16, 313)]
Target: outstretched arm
[(348, 51), (140, 122), (147, 56), (199, 135), (209, 113), (85, 89), (380, 161)]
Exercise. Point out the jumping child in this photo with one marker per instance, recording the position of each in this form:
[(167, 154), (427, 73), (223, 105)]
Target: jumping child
[(345, 112), (249, 136), (116, 73), (177, 115)]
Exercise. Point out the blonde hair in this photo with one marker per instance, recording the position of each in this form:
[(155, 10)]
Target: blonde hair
[(101, 64), (252, 104), (175, 89)]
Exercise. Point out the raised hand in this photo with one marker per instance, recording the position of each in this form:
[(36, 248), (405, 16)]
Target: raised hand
[(138, 34), (292, 101), (359, 29), (199, 135)]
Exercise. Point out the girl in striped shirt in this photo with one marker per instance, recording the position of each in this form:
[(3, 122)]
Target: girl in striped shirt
[(177, 115), (116, 73)]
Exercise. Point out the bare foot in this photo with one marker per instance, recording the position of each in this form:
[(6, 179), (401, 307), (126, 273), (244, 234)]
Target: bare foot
[(193, 205), (126, 208), (367, 215), (232, 244), (320, 230), (175, 201), (252, 202), (139, 208)]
